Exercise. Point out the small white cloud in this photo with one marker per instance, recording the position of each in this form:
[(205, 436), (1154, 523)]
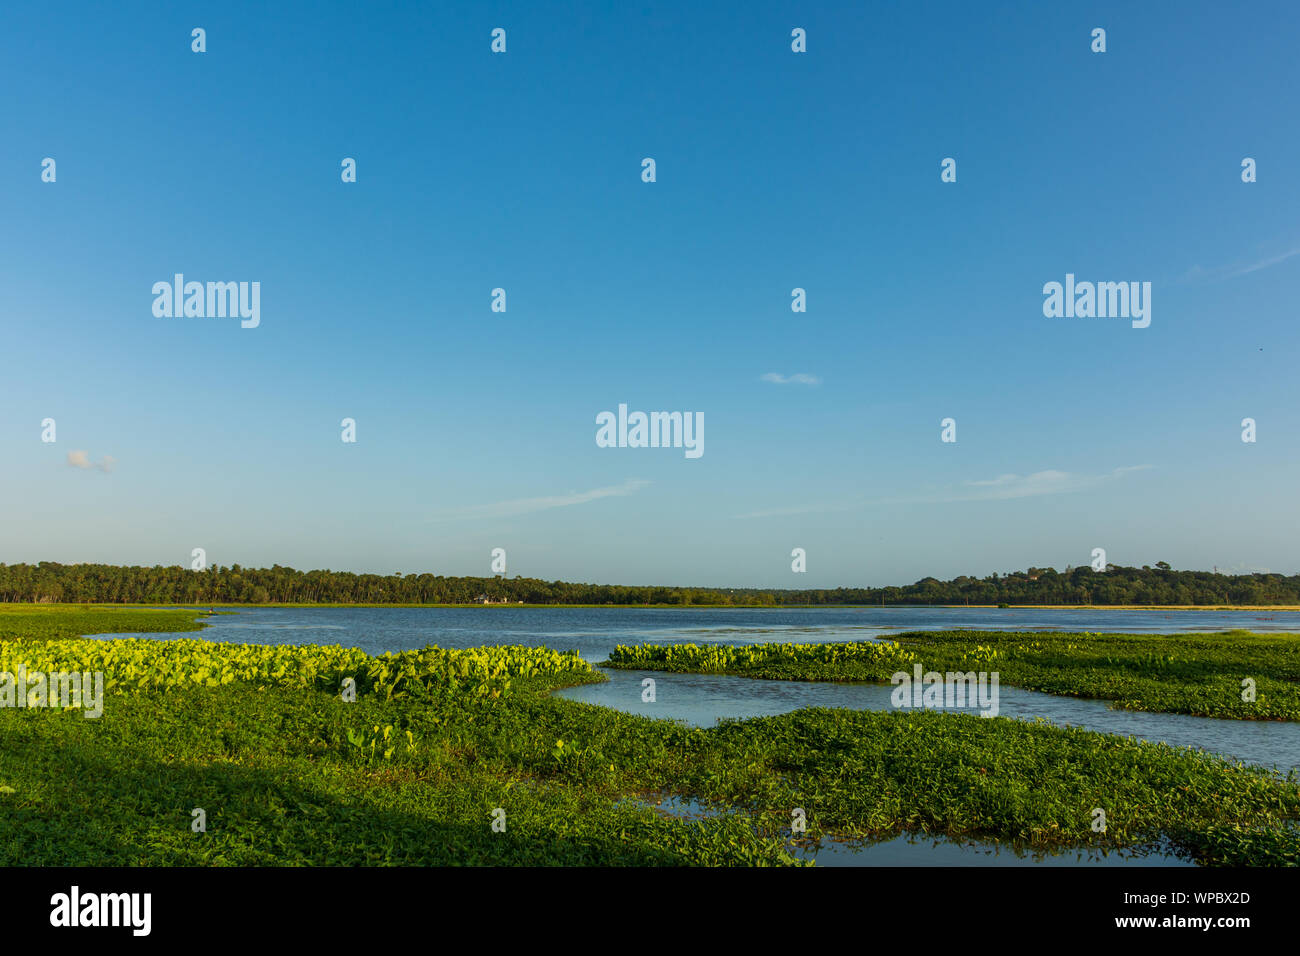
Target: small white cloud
[(79, 459), (798, 378)]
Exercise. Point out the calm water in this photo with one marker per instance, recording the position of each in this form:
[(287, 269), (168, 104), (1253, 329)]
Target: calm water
[(702, 700), (596, 631)]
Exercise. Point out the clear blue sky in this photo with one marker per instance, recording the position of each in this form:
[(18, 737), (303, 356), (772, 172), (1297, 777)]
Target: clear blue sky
[(775, 170)]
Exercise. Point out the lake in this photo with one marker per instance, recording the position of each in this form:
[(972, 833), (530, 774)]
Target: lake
[(596, 631)]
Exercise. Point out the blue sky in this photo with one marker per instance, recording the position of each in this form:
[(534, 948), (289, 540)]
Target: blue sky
[(775, 170)]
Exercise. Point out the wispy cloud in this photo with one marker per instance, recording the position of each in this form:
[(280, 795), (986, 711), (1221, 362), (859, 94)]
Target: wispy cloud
[(1232, 272), (1050, 482), (523, 506), (1263, 264), (1001, 488), (799, 378), (80, 459)]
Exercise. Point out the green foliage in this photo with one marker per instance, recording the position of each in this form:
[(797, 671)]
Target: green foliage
[(102, 583), (381, 743), (870, 774), (52, 623), (132, 665), (857, 661), (1198, 674)]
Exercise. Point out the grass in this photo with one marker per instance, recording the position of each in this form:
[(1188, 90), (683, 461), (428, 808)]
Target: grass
[(1198, 674), (288, 772), (63, 621)]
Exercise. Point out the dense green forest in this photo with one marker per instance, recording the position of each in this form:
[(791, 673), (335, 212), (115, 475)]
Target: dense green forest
[(105, 583)]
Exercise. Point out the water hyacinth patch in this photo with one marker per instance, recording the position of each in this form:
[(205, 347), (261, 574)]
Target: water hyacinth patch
[(856, 661), (139, 664)]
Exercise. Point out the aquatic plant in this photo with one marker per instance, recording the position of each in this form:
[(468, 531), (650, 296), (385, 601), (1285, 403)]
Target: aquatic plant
[(1232, 674), (860, 660), (134, 665)]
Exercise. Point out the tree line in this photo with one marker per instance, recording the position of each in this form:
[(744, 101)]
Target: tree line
[(110, 584)]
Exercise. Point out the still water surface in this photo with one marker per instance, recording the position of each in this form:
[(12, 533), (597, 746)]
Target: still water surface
[(596, 631)]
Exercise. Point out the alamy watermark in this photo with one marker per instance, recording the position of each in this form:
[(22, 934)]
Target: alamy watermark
[(75, 908), (213, 300), (60, 689), (1102, 300), (655, 430), (951, 689)]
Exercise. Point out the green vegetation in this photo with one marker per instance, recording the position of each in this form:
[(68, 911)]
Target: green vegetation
[(54, 623), (862, 661), (108, 584), (288, 772), (131, 665), (869, 774), (1198, 674)]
